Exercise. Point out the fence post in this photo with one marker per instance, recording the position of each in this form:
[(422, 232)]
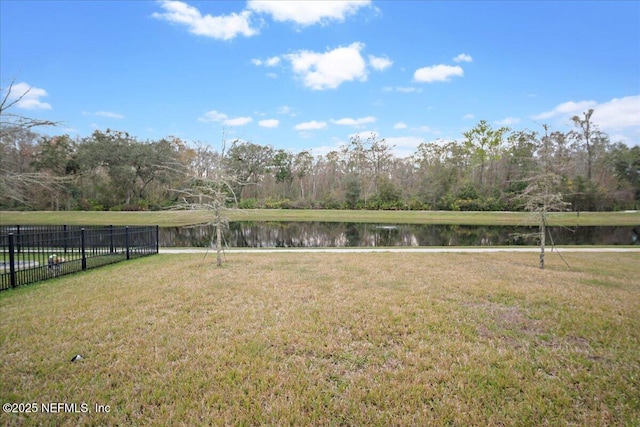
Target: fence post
[(12, 261), (111, 239), (65, 237), (18, 233), (126, 239), (82, 248), (157, 239)]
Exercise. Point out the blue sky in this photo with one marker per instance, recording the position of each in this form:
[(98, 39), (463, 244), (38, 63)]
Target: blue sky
[(309, 76)]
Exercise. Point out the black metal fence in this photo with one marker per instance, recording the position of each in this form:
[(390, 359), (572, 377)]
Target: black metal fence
[(33, 253)]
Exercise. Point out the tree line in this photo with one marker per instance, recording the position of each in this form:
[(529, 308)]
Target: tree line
[(486, 169)]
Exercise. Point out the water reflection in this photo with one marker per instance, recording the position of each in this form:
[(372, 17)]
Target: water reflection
[(319, 234)]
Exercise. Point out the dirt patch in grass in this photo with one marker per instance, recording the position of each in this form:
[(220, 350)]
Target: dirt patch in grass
[(512, 327), (330, 339), (500, 318)]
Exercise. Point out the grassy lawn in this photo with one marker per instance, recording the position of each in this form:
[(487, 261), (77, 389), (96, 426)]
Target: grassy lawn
[(177, 218), (331, 339)]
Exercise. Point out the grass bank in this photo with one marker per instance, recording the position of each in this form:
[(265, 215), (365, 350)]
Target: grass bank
[(331, 339), (179, 218)]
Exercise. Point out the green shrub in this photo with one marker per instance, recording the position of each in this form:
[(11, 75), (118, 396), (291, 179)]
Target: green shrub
[(250, 203), (278, 203)]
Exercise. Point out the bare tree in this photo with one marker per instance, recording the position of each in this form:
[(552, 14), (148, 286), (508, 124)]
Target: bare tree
[(541, 197), (210, 189), (16, 136), (9, 120)]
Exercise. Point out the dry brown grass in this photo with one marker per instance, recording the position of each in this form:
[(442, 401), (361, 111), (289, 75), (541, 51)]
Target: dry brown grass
[(331, 339)]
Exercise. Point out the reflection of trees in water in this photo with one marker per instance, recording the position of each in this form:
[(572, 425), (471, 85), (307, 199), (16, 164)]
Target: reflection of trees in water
[(352, 234), (313, 234), (181, 237)]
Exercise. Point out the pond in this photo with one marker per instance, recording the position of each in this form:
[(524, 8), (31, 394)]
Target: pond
[(325, 234)]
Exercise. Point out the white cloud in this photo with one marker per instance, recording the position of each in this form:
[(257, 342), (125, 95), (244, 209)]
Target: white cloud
[(463, 57), (437, 73), (402, 89), (379, 62), (216, 116), (508, 121), (404, 146), (619, 114), (408, 89), (223, 27), (269, 62), (400, 125), (213, 116), (109, 114), (312, 125), (619, 117), (285, 109), (69, 130), (307, 12), (630, 140), (426, 129), (323, 150), (347, 121), (329, 70), (569, 109), (238, 121), (273, 61), (269, 123), (305, 134), (468, 117), (28, 97)]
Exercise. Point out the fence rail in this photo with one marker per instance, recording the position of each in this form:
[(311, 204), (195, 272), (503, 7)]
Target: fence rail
[(34, 253)]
